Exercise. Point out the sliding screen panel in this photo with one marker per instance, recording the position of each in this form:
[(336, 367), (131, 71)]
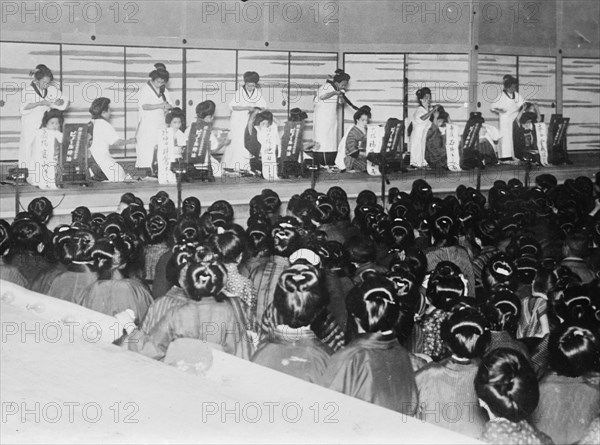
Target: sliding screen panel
[(16, 61), (447, 76), (537, 83), (90, 72), (581, 102), (210, 75), (308, 71), (377, 81), (490, 70), (273, 68), (139, 62)]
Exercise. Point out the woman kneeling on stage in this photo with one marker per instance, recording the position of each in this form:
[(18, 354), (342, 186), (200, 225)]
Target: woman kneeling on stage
[(104, 137), (356, 142)]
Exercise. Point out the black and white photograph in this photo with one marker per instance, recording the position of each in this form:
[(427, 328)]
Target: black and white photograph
[(300, 222)]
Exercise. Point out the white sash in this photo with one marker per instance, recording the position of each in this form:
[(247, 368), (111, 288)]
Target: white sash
[(165, 155), (48, 149), (268, 152), (375, 135), (541, 131), (452, 147)]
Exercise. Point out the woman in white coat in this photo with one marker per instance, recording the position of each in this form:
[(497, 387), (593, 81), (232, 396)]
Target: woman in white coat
[(420, 125), (508, 107), (41, 95), (325, 119), (154, 104), (248, 98)]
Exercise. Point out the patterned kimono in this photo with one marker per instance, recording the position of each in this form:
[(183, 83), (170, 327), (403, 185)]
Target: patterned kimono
[(113, 296)]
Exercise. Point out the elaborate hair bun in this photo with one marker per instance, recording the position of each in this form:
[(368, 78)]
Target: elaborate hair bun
[(339, 71), (204, 280), (298, 278), (160, 66)]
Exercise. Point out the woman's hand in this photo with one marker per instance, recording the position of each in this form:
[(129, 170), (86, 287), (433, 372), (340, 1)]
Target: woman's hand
[(167, 106)]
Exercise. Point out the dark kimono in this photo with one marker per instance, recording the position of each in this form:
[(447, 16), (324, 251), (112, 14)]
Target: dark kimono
[(435, 148), (377, 369), (296, 352), (113, 296), (208, 320), (524, 140)]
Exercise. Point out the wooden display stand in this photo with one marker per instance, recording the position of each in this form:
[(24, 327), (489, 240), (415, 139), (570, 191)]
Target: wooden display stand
[(291, 145), (197, 153), (73, 156)]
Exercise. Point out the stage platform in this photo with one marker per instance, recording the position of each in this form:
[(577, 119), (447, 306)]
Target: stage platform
[(104, 197)]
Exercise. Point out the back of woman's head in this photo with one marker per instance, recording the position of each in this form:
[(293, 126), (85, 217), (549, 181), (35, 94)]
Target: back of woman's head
[(298, 296), (183, 254), (156, 229), (205, 279), (223, 208), (127, 253), (466, 332), (206, 108), (446, 286), (27, 235), (80, 246), (103, 254), (191, 206), (360, 249), (507, 384), (373, 304), (503, 311), (41, 209), (574, 350), (5, 237), (500, 272), (229, 245)]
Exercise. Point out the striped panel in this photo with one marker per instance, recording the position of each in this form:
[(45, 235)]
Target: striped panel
[(447, 76), (90, 72), (272, 66), (210, 76), (581, 102), (16, 61), (376, 81), (490, 70), (308, 71), (139, 63), (537, 83)]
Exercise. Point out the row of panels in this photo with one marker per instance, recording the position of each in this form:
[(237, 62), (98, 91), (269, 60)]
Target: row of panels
[(386, 82)]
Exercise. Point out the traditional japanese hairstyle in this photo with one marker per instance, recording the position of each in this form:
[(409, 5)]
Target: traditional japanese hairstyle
[(97, 221), (41, 209), (323, 212), (446, 287), (41, 71), (509, 80), (402, 233), (82, 215), (229, 245), (187, 230), (298, 296), (114, 226), (99, 106), (79, 248), (160, 72), (265, 115), (503, 311), (102, 255), (297, 115), (466, 332), (259, 236), (191, 206), (500, 273), (27, 235), (206, 108), (373, 303), (421, 93), (174, 113), (340, 76), (156, 229), (51, 114), (336, 192), (135, 218), (507, 384), (251, 77), (204, 280), (574, 350), (286, 236), (271, 200), (5, 235), (365, 110), (183, 254), (224, 208)]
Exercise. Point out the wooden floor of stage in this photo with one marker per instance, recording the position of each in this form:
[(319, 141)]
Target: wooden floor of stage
[(104, 197)]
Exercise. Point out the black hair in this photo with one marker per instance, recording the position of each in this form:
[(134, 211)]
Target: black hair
[(156, 229), (206, 108), (509, 81), (224, 208), (41, 209), (421, 93), (340, 76), (205, 279), (99, 106), (507, 383), (373, 304), (500, 272), (503, 311), (446, 287), (574, 350), (229, 245), (174, 113), (263, 116), (41, 71), (362, 111), (191, 206), (298, 296), (360, 249), (251, 77), (466, 332), (160, 72), (53, 113), (5, 237)]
